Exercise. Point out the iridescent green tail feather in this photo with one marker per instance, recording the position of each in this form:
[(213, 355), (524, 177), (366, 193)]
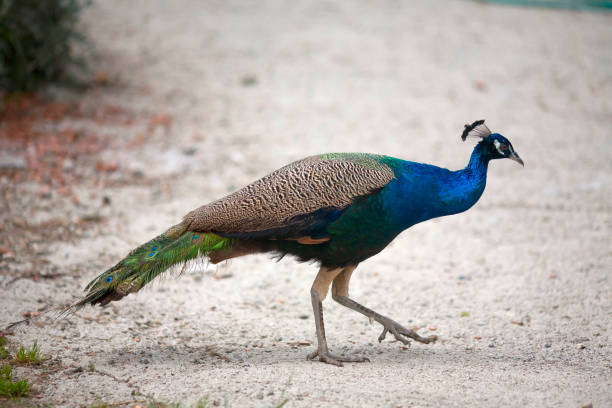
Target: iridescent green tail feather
[(145, 263)]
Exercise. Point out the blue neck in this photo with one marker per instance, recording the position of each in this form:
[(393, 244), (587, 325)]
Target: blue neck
[(464, 187), (421, 191)]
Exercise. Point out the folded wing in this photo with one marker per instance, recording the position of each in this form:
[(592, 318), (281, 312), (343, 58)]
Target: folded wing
[(295, 200)]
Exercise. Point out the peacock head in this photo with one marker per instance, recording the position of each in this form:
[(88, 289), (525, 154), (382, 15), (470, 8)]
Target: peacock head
[(496, 145)]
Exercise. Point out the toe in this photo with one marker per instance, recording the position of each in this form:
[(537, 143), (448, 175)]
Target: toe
[(326, 358), (335, 359), (383, 335)]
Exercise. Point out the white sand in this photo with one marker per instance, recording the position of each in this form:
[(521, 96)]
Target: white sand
[(397, 78)]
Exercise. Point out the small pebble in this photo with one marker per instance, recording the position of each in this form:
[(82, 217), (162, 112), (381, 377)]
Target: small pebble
[(248, 80), (491, 345), (581, 346), (547, 345)]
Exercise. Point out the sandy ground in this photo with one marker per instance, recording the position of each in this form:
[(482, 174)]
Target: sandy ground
[(253, 86)]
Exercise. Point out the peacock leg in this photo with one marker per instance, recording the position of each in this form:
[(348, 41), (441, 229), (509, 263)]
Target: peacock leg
[(319, 290), (340, 295)]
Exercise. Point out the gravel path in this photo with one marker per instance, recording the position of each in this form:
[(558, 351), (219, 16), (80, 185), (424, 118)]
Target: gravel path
[(518, 288)]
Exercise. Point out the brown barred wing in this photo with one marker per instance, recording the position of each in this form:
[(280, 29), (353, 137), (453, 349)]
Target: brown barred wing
[(316, 183)]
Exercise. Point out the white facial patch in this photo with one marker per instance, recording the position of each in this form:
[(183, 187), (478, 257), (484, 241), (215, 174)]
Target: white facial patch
[(498, 147)]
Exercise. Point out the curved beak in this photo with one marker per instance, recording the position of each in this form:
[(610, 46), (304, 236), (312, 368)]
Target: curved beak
[(516, 158)]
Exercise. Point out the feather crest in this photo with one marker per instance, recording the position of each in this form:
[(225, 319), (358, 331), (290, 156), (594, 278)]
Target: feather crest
[(476, 129)]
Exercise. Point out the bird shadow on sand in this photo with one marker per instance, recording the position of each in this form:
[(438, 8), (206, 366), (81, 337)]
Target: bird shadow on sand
[(219, 356)]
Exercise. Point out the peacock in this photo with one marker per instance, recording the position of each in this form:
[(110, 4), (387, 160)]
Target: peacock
[(335, 209)]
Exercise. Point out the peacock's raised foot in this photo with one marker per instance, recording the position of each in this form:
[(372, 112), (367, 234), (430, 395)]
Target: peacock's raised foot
[(401, 333), (329, 358)]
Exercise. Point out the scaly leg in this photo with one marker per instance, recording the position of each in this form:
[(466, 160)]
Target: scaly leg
[(340, 295), (318, 293)]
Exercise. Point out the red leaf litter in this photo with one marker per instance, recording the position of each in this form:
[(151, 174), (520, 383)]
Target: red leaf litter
[(54, 138)]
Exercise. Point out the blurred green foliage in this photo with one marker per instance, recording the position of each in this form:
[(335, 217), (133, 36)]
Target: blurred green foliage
[(35, 41)]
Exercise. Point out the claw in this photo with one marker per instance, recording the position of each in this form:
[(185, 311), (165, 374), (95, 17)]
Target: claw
[(402, 334)]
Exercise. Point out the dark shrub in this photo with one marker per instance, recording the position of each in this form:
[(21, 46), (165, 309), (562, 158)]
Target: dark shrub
[(35, 41)]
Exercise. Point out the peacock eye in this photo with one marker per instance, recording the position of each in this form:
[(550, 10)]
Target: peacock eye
[(503, 147), (109, 279)]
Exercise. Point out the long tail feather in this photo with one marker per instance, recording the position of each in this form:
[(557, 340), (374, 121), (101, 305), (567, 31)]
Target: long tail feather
[(149, 260)]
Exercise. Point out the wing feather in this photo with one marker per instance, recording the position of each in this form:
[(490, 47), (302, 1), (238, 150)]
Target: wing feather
[(316, 184)]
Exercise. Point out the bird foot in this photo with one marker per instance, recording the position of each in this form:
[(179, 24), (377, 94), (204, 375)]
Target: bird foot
[(329, 358), (402, 334)]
